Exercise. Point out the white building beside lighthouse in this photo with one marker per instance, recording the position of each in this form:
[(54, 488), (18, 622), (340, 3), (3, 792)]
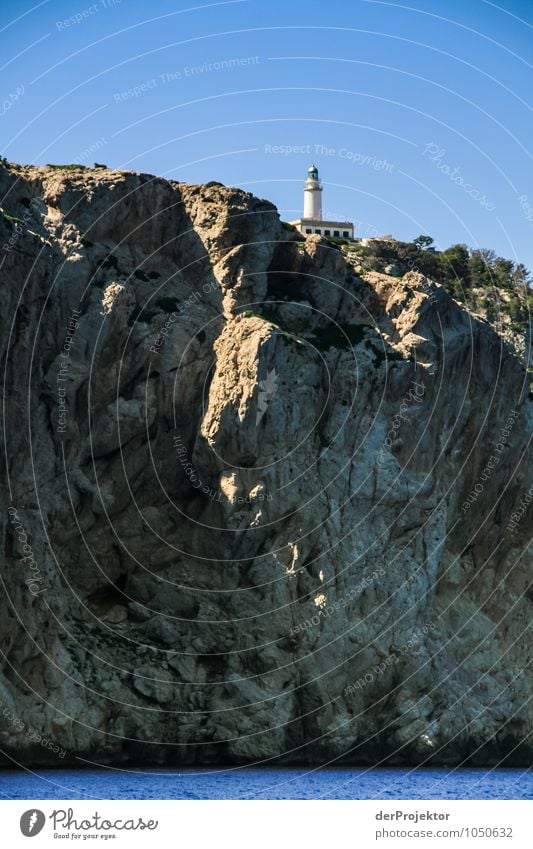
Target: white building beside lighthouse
[(312, 221)]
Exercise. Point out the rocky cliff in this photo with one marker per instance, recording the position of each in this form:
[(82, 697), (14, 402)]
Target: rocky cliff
[(256, 505)]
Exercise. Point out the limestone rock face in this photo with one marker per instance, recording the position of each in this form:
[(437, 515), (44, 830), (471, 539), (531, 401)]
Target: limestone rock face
[(255, 505)]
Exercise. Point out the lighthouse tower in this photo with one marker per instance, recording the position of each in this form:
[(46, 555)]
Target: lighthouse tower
[(313, 195), (312, 222)]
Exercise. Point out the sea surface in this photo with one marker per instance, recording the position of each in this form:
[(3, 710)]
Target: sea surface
[(249, 783)]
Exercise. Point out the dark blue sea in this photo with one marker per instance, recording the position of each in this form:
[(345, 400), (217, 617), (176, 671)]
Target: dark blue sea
[(247, 783)]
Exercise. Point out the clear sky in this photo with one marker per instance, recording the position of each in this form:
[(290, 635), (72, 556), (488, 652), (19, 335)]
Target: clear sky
[(417, 113)]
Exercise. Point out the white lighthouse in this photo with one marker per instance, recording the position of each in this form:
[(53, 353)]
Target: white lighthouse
[(312, 222), (313, 195)]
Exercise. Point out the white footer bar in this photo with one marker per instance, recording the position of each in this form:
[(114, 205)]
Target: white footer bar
[(268, 824)]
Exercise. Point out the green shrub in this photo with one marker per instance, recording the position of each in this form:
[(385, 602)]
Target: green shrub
[(334, 242), (72, 167), (12, 219)]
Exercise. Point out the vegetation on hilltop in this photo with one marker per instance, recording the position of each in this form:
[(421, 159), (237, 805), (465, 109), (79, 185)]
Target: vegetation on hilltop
[(477, 278)]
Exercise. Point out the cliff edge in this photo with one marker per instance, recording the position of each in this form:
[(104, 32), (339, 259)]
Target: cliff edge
[(257, 506)]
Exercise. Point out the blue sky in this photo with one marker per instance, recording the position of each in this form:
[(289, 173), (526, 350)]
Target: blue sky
[(417, 114)]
